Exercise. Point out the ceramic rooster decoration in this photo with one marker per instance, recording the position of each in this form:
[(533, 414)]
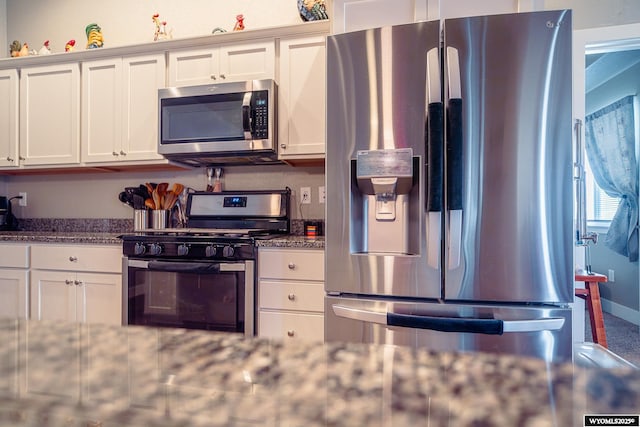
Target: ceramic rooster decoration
[(161, 29), (17, 49), (45, 49), (94, 36), (239, 23), (312, 10), (70, 46)]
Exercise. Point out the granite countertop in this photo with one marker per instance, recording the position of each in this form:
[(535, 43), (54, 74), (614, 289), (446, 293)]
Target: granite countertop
[(74, 237), (58, 374)]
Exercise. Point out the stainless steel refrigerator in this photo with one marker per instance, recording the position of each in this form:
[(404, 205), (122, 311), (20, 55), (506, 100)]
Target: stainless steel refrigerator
[(449, 183)]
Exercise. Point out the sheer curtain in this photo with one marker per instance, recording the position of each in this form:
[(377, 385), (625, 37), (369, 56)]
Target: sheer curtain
[(610, 146)]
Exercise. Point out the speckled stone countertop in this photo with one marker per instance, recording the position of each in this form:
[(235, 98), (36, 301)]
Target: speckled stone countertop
[(61, 374), (61, 237), (291, 241)]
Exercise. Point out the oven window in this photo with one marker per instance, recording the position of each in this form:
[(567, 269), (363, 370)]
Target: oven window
[(186, 300)]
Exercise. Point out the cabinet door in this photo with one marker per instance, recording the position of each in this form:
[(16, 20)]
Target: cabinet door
[(46, 376), (13, 288), (102, 110), (291, 326), (193, 67), (50, 115), (9, 118), (53, 295), (301, 98), (99, 298), (143, 76), (247, 61)]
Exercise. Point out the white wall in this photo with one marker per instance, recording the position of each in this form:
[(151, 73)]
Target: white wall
[(126, 22), (598, 13)]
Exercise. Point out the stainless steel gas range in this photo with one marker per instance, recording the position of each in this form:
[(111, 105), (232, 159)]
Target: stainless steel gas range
[(202, 276)]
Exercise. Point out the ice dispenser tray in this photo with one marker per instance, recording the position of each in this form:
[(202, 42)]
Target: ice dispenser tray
[(385, 201)]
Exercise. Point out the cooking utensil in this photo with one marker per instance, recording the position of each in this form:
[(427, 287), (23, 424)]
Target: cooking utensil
[(125, 198), (150, 203)]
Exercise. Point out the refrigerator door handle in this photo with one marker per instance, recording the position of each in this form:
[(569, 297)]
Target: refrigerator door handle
[(435, 162), (450, 324), (454, 158)]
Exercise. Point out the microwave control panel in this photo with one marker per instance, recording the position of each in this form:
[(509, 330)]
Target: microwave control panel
[(260, 104)]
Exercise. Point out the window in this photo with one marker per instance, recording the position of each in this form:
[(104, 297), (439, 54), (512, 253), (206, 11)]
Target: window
[(600, 206)]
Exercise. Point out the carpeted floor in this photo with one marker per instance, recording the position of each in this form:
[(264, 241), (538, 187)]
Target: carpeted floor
[(623, 337)]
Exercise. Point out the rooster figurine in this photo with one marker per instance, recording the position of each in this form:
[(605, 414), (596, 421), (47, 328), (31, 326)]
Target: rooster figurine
[(69, 47), (94, 36), (45, 50), (239, 23)]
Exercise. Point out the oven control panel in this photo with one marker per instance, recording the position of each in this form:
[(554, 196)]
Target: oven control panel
[(189, 250)]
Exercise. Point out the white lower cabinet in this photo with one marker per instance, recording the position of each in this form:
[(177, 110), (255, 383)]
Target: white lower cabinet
[(14, 279), (77, 283), (291, 294)]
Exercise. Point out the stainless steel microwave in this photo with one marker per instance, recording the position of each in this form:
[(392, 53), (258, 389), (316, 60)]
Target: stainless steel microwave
[(218, 124)]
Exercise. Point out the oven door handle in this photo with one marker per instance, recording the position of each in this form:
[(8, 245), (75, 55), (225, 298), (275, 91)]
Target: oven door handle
[(184, 267)]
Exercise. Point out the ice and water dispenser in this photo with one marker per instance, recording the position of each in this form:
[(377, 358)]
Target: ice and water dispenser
[(385, 202)]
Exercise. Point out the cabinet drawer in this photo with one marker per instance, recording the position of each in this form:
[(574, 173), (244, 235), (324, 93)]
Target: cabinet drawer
[(106, 259), (306, 327), (14, 255), (291, 295), (305, 264)]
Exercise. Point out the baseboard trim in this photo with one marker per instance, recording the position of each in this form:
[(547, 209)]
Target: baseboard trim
[(621, 311)]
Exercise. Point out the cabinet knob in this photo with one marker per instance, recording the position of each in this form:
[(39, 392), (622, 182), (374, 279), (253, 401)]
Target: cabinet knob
[(291, 297), (9, 159), (291, 266), (283, 146), (222, 76), (77, 283), (73, 258), (115, 154), (21, 158), (213, 77), (122, 153), (68, 282), (290, 333)]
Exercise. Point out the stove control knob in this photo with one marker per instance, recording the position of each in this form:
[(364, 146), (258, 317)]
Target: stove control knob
[(228, 251), (155, 249), (183, 250), (139, 249), (210, 251)]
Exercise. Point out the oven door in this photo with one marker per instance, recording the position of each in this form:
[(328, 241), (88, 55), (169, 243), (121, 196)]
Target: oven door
[(207, 295)]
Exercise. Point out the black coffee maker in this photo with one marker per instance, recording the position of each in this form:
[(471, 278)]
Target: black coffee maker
[(7, 220)]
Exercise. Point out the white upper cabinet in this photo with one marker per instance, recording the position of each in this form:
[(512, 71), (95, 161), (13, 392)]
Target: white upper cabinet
[(224, 63), (50, 115), (301, 98), (9, 86), (120, 108)]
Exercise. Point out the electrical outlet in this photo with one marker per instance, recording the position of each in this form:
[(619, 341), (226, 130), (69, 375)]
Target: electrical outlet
[(305, 195), (611, 277), (321, 194), (23, 201)]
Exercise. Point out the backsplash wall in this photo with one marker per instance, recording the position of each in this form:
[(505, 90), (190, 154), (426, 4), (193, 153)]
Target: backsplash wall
[(95, 195)]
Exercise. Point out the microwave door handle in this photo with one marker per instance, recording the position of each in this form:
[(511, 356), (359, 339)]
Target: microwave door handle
[(246, 115)]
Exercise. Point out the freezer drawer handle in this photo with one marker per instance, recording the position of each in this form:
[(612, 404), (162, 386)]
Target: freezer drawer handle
[(450, 324)]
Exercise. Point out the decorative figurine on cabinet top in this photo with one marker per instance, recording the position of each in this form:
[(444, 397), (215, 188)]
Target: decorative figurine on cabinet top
[(239, 23), (17, 49), (161, 29), (312, 10), (94, 36), (70, 46), (45, 49)]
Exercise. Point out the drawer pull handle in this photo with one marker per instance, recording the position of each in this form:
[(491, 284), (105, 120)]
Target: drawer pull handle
[(290, 333), (73, 258), (291, 297), (291, 266), (78, 283), (68, 282)]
